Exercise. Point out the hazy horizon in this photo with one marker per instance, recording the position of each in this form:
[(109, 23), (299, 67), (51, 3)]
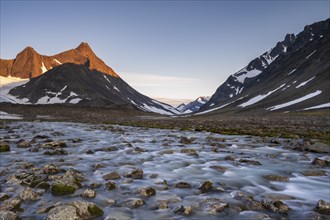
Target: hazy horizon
[(169, 50)]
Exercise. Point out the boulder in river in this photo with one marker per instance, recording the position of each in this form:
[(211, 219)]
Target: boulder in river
[(182, 185), (4, 196), (250, 162), (277, 178), (59, 189), (134, 203), (29, 194), (148, 191), (4, 147), (320, 162), (323, 207), (55, 144), (136, 174), (191, 152), (50, 169), (74, 210), (12, 204), (8, 215), (110, 185), (112, 176), (24, 144), (206, 186), (88, 193)]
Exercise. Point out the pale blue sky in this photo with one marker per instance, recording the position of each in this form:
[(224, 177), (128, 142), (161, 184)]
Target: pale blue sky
[(172, 49)]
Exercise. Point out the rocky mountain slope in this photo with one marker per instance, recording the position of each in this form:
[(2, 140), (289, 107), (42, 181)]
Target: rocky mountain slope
[(192, 106), (295, 77), (29, 63), (81, 79)]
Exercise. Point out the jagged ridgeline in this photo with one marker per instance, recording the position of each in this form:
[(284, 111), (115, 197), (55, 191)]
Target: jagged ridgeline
[(76, 76)]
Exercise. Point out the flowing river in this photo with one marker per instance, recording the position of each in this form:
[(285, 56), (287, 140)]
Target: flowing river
[(239, 168)]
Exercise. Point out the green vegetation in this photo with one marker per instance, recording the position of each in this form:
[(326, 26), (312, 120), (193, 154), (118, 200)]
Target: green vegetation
[(61, 189), (4, 147), (95, 210)]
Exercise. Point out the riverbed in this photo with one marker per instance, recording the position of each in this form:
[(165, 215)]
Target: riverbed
[(243, 170)]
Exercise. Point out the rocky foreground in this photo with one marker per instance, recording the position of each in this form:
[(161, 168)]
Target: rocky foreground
[(56, 170)]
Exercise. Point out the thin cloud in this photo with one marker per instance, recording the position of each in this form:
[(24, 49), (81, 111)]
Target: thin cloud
[(151, 80)]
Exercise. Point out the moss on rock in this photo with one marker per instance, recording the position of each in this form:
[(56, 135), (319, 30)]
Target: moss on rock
[(61, 189), (4, 147), (95, 210)]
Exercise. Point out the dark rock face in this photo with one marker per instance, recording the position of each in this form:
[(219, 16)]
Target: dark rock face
[(193, 106), (78, 84), (295, 67)]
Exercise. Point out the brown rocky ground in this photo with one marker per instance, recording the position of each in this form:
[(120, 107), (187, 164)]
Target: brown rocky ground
[(312, 125)]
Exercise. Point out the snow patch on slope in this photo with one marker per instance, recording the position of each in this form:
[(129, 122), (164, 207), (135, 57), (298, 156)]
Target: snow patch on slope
[(310, 54), (325, 105), (241, 76), (43, 68), (304, 83), (311, 95), (216, 108), (57, 61), (258, 98), (6, 84)]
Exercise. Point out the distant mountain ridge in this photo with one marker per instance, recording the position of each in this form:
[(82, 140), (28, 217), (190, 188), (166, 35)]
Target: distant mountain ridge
[(29, 64), (297, 78), (235, 83), (82, 79), (192, 106)]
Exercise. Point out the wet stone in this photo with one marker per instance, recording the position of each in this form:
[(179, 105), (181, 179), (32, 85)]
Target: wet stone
[(320, 162), (24, 144), (12, 204), (219, 168), (56, 152), (314, 173), (136, 174), (216, 207), (29, 194), (163, 205), (111, 176), (62, 189), (250, 162), (191, 152), (8, 215), (323, 207), (134, 203), (89, 151), (277, 178), (55, 144), (94, 185), (34, 149), (229, 157), (185, 140), (4, 147), (110, 185), (206, 186), (182, 185), (185, 210), (153, 176), (148, 191), (50, 169), (4, 196), (40, 136), (63, 212), (111, 201), (88, 193), (98, 166)]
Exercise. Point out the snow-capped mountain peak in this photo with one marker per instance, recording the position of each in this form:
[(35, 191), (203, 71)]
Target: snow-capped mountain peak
[(193, 106)]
